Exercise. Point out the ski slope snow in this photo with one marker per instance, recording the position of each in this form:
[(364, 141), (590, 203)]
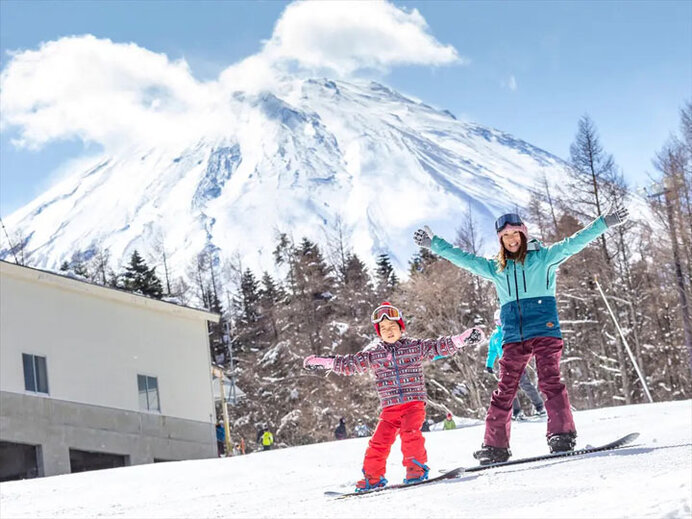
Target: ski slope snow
[(651, 478)]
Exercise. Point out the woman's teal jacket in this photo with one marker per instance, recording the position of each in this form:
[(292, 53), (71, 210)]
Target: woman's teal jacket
[(526, 291)]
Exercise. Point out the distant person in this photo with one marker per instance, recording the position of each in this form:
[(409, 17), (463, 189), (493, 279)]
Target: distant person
[(402, 398), (242, 446), (523, 273), (426, 426), (220, 439), (449, 423), (340, 431), (267, 440), (525, 384), (361, 430)]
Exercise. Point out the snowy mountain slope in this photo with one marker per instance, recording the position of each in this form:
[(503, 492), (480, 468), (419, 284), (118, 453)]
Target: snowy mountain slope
[(295, 160), (653, 478)]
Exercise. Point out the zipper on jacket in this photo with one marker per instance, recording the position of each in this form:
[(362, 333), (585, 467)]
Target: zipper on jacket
[(547, 273), (516, 286), (509, 287), (398, 380), (523, 275)]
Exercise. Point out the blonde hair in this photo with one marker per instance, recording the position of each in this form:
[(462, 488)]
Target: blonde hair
[(505, 255)]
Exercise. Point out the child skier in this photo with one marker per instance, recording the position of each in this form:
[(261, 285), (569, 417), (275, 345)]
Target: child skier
[(397, 365)]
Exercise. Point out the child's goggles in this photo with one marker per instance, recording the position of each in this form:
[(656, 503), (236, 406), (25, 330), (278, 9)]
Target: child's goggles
[(385, 312)]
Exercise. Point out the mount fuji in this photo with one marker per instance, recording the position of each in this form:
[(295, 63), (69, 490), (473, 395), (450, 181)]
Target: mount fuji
[(309, 155)]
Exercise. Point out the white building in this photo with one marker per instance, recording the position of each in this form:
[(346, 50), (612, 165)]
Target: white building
[(93, 377)]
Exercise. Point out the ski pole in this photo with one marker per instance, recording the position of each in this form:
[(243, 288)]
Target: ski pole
[(624, 341)]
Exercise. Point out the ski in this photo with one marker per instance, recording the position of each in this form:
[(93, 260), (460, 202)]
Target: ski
[(451, 474), (620, 442)]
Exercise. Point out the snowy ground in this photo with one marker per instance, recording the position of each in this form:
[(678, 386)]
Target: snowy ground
[(653, 478)]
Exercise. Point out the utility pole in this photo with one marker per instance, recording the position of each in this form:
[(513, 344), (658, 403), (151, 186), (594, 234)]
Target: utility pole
[(669, 193), (218, 372), (229, 347)]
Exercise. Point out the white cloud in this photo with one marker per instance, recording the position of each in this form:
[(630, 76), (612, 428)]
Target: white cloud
[(120, 94), (347, 36), (510, 83), (99, 91)]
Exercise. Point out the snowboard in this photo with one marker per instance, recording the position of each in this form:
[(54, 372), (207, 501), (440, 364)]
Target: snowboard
[(460, 471), (620, 442), (450, 474)]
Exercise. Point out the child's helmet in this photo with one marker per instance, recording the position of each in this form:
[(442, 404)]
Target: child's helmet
[(389, 312)]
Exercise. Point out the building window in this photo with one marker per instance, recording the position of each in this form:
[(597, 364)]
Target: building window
[(35, 373), (148, 393)]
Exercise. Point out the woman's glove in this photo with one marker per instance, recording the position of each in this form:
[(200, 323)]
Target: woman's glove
[(423, 237), (616, 216), (315, 362)]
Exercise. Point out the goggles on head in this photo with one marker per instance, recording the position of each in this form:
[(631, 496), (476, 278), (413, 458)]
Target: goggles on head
[(385, 312), (507, 219)]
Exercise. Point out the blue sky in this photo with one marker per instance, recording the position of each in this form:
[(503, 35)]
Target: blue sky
[(528, 68)]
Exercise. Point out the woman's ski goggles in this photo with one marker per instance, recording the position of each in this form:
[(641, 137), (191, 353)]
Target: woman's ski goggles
[(385, 312), (507, 219)]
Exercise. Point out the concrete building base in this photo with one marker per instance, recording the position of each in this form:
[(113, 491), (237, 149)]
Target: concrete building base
[(58, 426)]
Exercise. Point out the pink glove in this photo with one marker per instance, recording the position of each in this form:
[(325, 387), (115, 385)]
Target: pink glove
[(315, 362), (470, 337)]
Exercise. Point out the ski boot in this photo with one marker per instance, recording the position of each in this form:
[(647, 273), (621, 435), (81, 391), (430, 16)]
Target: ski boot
[(369, 483), (540, 412), (519, 417), (416, 473), (562, 442), (488, 455)]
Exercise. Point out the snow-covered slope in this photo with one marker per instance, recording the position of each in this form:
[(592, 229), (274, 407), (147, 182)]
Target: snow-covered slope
[(652, 478), (295, 160)]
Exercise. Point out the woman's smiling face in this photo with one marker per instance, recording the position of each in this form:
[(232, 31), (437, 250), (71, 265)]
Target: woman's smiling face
[(511, 240)]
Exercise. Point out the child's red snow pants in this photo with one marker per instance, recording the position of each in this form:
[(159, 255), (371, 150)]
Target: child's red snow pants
[(405, 419), (515, 356)]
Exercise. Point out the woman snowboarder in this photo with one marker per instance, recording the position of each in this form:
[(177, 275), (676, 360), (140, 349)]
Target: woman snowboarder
[(524, 276)]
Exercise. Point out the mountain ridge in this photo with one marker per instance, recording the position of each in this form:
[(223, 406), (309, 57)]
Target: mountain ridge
[(294, 160)]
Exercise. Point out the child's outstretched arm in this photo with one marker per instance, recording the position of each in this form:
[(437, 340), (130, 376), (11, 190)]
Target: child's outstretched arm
[(343, 364), (448, 346)]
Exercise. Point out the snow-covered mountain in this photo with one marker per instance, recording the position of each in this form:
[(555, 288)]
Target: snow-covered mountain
[(296, 160), (651, 478)]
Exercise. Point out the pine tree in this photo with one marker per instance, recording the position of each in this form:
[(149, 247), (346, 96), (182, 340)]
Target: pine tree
[(596, 180), (386, 277), (138, 277)]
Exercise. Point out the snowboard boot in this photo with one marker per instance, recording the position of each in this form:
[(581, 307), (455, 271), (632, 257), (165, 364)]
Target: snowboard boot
[(562, 442), (416, 473), (519, 417), (488, 454), (370, 482), (541, 412)]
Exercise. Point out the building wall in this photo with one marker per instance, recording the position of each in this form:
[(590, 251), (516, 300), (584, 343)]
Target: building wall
[(57, 426), (95, 348), (96, 341)]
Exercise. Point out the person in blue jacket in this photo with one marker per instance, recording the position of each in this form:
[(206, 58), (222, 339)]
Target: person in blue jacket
[(525, 384), (523, 273)]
